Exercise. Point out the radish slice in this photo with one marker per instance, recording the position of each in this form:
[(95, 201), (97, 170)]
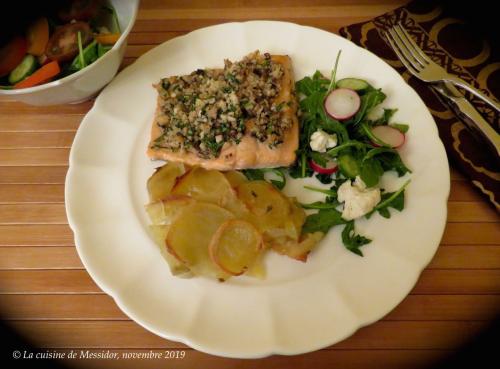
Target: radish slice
[(389, 135), (342, 103), (331, 167)]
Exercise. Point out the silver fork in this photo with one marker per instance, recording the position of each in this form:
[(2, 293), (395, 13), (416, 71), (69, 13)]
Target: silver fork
[(422, 67)]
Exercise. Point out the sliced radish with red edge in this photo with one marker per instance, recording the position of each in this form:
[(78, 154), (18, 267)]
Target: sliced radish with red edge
[(389, 135), (331, 167), (342, 103)]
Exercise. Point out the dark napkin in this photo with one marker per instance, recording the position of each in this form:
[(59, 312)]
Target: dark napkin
[(460, 46)]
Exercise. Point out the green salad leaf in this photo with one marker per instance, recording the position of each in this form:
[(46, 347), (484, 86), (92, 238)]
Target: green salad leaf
[(353, 241), (355, 155), (321, 205), (86, 56), (324, 178), (370, 99), (322, 221), (259, 174), (385, 118), (403, 128), (334, 73)]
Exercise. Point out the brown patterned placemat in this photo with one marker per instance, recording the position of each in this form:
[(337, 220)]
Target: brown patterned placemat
[(455, 45)]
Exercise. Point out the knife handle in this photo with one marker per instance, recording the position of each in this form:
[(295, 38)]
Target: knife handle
[(461, 83), (475, 121)]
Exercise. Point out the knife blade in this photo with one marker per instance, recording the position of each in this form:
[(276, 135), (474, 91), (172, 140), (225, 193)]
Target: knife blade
[(469, 115)]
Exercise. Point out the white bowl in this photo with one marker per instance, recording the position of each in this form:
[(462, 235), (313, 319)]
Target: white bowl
[(85, 83)]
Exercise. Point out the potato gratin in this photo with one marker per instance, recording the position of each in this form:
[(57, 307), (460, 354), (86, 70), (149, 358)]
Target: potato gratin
[(215, 224)]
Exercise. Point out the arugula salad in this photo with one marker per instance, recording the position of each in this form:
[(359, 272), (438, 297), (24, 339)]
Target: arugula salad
[(342, 145)]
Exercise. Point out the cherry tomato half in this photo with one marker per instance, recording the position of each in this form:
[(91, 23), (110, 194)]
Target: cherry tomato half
[(63, 44), (11, 55), (80, 10)]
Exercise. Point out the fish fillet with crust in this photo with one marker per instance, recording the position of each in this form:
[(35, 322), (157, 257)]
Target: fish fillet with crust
[(249, 152)]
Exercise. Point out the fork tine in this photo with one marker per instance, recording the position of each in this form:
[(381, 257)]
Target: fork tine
[(400, 56), (403, 33), (405, 50)]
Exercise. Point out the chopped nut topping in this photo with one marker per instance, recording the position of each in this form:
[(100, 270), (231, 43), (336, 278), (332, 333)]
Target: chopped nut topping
[(202, 111)]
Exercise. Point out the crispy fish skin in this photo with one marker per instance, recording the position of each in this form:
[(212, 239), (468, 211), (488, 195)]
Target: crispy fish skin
[(250, 152)]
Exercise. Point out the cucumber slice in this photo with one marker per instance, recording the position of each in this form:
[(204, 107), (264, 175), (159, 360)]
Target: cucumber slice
[(355, 84), (23, 70), (348, 166)]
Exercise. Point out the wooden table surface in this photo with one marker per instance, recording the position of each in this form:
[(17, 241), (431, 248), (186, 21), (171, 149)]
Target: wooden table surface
[(48, 297)]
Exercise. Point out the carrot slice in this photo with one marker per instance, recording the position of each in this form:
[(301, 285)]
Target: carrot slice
[(38, 36), (107, 38), (42, 75)]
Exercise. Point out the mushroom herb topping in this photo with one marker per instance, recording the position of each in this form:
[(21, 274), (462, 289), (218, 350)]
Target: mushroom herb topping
[(202, 111)]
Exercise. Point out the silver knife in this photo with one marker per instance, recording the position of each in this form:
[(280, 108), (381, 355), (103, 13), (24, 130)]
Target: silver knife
[(469, 115)]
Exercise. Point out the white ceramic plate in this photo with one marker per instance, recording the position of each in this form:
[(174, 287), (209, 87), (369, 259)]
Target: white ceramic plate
[(299, 307)]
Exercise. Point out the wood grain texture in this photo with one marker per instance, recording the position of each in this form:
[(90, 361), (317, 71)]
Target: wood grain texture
[(35, 140), (34, 157), (32, 214), (396, 335), (471, 234), (31, 193), (84, 307), (33, 175), (47, 295), (432, 281), (36, 235), (38, 122)]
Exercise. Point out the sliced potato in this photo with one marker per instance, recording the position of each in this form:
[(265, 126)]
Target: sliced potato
[(235, 178), (296, 220), (291, 227), (258, 269), (210, 186), (156, 212), (190, 233), (298, 250), (163, 180), (215, 224), (277, 235), (269, 207), (235, 246), (165, 211), (159, 233), (205, 185)]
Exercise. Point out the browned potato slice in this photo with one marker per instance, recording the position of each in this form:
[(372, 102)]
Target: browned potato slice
[(155, 212), (269, 207), (163, 180), (291, 228), (296, 220), (258, 269), (210, 186), (235, 246), (205, 185), (298, 250), (164, 211), (235, 178), (159, 233), (190, 233)]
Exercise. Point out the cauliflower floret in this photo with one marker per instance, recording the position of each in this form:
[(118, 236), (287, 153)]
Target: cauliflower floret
[(320, 141), (358, 200)]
